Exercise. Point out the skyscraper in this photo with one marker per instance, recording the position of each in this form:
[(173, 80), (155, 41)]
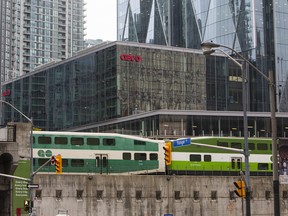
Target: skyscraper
[(257, 29), (35, 32)]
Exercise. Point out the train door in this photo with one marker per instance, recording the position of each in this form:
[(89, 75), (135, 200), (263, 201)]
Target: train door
[(101, 163), (236, 163)]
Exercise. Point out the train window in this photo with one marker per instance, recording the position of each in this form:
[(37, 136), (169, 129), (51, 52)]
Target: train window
[(251, 146), (233, 163), (77, 163), (64, 162), (262, 146), (61, 140), (104, 161), (224, 144), (263, 166), (109, 142), (77, 141), (93, 141), (44, 140), (194, 157), (140, 156), (238, 163), (126, 156), (42, 161), (139, 142), (236, 145), (207, 158), (97, 161), (153, 156)]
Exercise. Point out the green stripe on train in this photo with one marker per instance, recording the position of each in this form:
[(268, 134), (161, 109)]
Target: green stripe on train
[(256, 145), (217, 166), (113, 166)]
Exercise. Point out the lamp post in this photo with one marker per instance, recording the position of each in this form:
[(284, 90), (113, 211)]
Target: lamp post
[(245, 125), (209, 47), (31, 143)]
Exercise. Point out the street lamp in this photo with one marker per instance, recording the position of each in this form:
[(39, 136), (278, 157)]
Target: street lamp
[(31, 143), (211, 47), (245, 125)]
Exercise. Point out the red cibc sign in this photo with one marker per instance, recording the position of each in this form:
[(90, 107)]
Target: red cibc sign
[(128, 57)]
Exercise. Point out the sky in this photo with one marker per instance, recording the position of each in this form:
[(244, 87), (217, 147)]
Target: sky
[(101, 19)]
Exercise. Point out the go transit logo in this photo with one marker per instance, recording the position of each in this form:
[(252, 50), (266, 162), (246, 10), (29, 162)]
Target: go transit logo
[(43, 153)]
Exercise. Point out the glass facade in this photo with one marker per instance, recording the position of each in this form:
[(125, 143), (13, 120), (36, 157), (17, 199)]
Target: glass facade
[(174, 124), (138, 89), (257, 29), (117, 81)]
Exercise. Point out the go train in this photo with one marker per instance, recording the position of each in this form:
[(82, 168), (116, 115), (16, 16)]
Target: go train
[(111, 153)]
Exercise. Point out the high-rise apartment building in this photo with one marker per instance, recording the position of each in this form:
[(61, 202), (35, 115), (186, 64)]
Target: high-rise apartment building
[(35, 32), (257, 29)]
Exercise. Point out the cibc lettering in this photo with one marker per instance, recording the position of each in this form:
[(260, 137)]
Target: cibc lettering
[(127, 57), (7, 92)]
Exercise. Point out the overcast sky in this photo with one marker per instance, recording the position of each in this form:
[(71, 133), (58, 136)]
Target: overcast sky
[(101, 19)]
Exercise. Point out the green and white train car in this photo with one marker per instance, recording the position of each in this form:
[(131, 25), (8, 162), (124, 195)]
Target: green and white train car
[(217, 156), (111, 153), (103, 153)]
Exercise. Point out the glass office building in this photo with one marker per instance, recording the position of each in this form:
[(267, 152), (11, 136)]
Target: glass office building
[(257, 29), (139, 89)]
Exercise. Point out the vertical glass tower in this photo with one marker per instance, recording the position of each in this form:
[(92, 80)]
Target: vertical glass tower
[(257, 29), (36, 32)]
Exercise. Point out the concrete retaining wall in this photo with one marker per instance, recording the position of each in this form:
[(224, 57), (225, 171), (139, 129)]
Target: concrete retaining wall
[(151, 195)]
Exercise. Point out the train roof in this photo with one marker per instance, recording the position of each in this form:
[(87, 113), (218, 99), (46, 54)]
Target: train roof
[(69, 133)]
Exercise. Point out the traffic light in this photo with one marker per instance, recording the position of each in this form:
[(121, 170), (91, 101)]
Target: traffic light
[(168, 153), (58, 165), (26, 205), (240, 192), (53, 160)]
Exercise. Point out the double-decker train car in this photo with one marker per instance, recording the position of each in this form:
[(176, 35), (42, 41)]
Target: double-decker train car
[(104, 153), (112, 153), (221, 156)]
